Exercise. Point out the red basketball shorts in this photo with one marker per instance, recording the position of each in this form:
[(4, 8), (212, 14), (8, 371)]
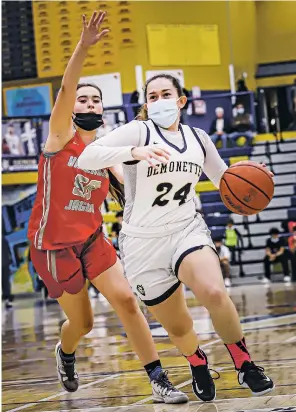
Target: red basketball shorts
[(67, 269)]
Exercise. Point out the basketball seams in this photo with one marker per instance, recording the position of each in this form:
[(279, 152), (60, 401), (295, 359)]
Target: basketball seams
[(247, 181), (258, 167), (248, 206)]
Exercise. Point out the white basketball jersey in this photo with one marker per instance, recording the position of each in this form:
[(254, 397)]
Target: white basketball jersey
[(164, 194)]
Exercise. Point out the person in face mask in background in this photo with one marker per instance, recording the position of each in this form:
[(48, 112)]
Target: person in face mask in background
[(65, 228), (275, 252), (242, 126), (163, 241)]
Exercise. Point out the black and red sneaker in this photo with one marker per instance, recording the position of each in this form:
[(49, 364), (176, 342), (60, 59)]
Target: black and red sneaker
[(251, 376), (202, 382)]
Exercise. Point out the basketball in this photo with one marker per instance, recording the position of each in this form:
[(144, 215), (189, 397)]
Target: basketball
[(246, 188)]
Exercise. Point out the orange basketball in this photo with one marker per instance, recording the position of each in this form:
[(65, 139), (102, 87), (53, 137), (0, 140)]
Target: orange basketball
[(246, 188)]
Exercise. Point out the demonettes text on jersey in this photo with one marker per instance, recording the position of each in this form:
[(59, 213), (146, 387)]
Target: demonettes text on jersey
[(67, 206), (164, 194)]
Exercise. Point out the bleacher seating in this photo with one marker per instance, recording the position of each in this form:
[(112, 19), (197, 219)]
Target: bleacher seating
[(283, 163)]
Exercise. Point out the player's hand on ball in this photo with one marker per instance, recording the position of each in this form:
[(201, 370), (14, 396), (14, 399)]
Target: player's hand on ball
[(149, 153), (269, 172), (91, 33)]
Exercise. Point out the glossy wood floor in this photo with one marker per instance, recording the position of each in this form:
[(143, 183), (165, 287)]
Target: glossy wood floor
[(111, 377)]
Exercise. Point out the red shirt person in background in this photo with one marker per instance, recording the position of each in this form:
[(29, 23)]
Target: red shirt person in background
[(65, 228)]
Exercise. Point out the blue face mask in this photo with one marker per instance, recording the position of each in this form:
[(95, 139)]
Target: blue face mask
[(163, 112)]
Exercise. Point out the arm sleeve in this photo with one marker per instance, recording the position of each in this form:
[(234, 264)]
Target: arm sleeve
[(112, 149), (214, 165)]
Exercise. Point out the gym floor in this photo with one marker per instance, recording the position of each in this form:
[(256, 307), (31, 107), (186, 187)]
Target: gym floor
[(111, 377)]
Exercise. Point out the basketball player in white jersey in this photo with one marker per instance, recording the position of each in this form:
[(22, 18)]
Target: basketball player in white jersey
[(164, 242)]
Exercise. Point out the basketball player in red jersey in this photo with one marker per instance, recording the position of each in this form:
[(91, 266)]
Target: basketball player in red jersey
[(67, 243)]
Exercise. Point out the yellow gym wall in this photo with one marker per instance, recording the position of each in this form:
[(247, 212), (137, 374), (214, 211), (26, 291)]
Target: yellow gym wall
[(260, 31), (276, 28), (276, 37), (178, 12), (242, 19), (243, 39)]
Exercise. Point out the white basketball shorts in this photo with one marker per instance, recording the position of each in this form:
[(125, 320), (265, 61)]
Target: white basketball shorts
[(151, 265)]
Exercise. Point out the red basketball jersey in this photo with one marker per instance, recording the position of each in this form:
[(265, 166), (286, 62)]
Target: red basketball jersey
[(67, 206)]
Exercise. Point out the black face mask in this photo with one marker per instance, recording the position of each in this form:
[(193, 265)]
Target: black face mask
[(88, 121)]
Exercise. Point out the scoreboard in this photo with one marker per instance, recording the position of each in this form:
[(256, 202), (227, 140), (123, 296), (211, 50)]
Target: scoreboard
[(18, 45)]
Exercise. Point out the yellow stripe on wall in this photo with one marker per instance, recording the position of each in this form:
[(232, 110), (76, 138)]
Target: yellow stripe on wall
[(19, 178), (205, 187)]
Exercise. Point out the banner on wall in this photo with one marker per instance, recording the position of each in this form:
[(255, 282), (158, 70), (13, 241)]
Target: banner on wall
[(20, 144), (34, 100), (110, 84)]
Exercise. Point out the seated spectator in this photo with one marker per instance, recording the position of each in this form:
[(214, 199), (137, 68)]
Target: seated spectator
[(242, 126), (292, 248), (220, 127), (224, 255), (233, 240), (275, 252)]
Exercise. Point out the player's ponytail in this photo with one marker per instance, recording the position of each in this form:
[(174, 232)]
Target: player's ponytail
[(143, 114), (116, 189)]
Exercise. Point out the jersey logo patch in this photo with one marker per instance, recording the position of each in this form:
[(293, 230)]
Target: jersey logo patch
[(141, 290), (83, 187)]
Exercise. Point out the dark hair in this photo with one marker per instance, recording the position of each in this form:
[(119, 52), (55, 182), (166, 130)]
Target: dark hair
[(294, 228), (274, 231), (143, 115), (119, 214), (230, 222), (218, 239), (116, 189), (79, 85)]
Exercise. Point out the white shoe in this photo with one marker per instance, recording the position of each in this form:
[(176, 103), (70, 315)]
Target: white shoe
[(163, 391), (265, 281), (227, 282), (287, 279), (67, 373)]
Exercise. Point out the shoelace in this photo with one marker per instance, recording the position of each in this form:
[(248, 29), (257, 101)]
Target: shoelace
[(164, 380), (216, 377), (69, 370), (255, 368)]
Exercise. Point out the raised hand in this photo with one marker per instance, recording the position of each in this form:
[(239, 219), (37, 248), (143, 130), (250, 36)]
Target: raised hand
[(91, 33)]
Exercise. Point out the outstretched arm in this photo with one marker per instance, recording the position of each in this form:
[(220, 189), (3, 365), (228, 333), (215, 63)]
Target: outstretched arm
[(60, 124)]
